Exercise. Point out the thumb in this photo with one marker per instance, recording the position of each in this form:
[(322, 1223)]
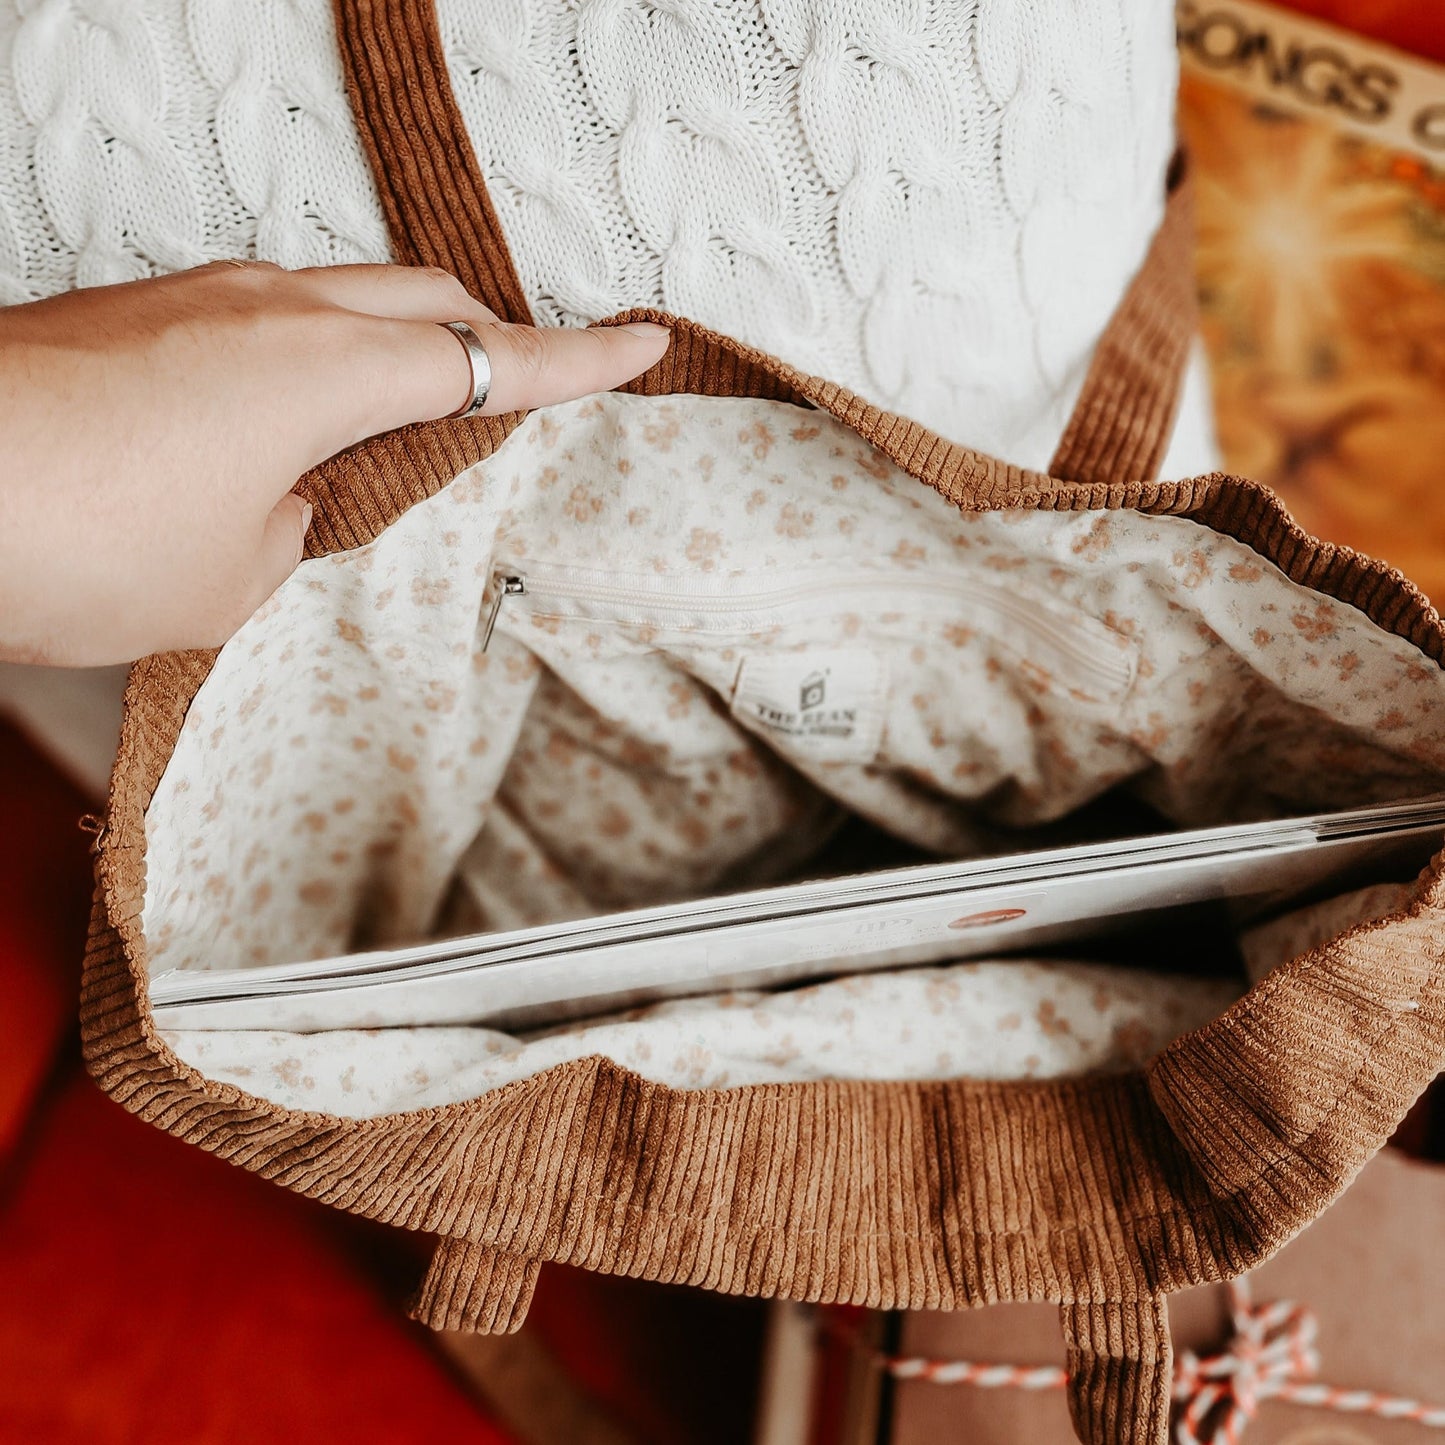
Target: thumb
[(282, 544)]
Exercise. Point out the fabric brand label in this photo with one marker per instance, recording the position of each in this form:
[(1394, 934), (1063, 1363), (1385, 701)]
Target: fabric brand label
[(828, 703)]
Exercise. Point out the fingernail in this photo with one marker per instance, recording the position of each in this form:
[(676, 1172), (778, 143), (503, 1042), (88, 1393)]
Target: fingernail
[(306, 512), (646, 328)]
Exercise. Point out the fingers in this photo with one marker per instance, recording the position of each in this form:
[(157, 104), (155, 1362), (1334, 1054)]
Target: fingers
[(425, 372), (430, 377), (540, 366), (405, 293), (531, 366), (368, 355)]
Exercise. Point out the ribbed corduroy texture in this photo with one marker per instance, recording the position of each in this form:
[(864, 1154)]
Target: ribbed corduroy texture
[(1101, 1194), (1120, 1368), (432, 193)]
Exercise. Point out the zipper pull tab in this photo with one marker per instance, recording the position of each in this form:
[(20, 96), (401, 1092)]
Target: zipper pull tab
[(506, 585)]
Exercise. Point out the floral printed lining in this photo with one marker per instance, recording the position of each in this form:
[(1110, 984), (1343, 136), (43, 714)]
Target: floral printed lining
[(359, 770)]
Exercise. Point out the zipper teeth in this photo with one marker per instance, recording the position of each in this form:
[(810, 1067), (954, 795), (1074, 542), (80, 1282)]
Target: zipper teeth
[(1117, 666)]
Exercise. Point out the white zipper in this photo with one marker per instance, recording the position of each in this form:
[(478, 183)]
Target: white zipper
[(1090, 649)]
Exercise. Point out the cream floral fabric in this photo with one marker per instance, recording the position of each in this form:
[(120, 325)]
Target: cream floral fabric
[(738, 623), (1001, 1020)]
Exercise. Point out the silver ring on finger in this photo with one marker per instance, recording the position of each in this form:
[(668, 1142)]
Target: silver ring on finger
[(480, 363)]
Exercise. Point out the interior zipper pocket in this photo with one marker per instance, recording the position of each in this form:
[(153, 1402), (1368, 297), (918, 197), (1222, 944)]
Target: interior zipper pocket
[(1093, 655)]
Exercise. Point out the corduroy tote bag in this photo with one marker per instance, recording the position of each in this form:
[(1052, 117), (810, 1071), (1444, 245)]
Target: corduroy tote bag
[(1274, 674)]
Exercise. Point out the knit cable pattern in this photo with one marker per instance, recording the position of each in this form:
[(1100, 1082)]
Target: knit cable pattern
[(934, 202), (284, 131), (108, 162)]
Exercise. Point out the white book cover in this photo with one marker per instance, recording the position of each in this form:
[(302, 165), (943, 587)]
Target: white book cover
[(778, 936)]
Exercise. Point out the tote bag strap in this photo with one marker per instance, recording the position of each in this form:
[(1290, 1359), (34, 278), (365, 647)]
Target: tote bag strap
[(435, 201), (440, 214), (1120, 1367)]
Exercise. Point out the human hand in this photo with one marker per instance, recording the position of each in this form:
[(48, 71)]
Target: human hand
[(151, 433)]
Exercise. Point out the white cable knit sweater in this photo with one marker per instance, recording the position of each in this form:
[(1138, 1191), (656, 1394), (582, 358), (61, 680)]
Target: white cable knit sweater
[(936, 202)]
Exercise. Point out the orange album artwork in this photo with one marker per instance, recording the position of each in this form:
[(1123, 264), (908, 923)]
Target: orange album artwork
[(1319, 158)]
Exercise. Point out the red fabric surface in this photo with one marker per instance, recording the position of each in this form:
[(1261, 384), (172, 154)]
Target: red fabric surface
[(154, 1294), (44, 898), (1412, 25), (149, 1292)]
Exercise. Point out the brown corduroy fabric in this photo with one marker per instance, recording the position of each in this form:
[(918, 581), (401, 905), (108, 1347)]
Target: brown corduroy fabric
[(436, 205), (1101, 1194)]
